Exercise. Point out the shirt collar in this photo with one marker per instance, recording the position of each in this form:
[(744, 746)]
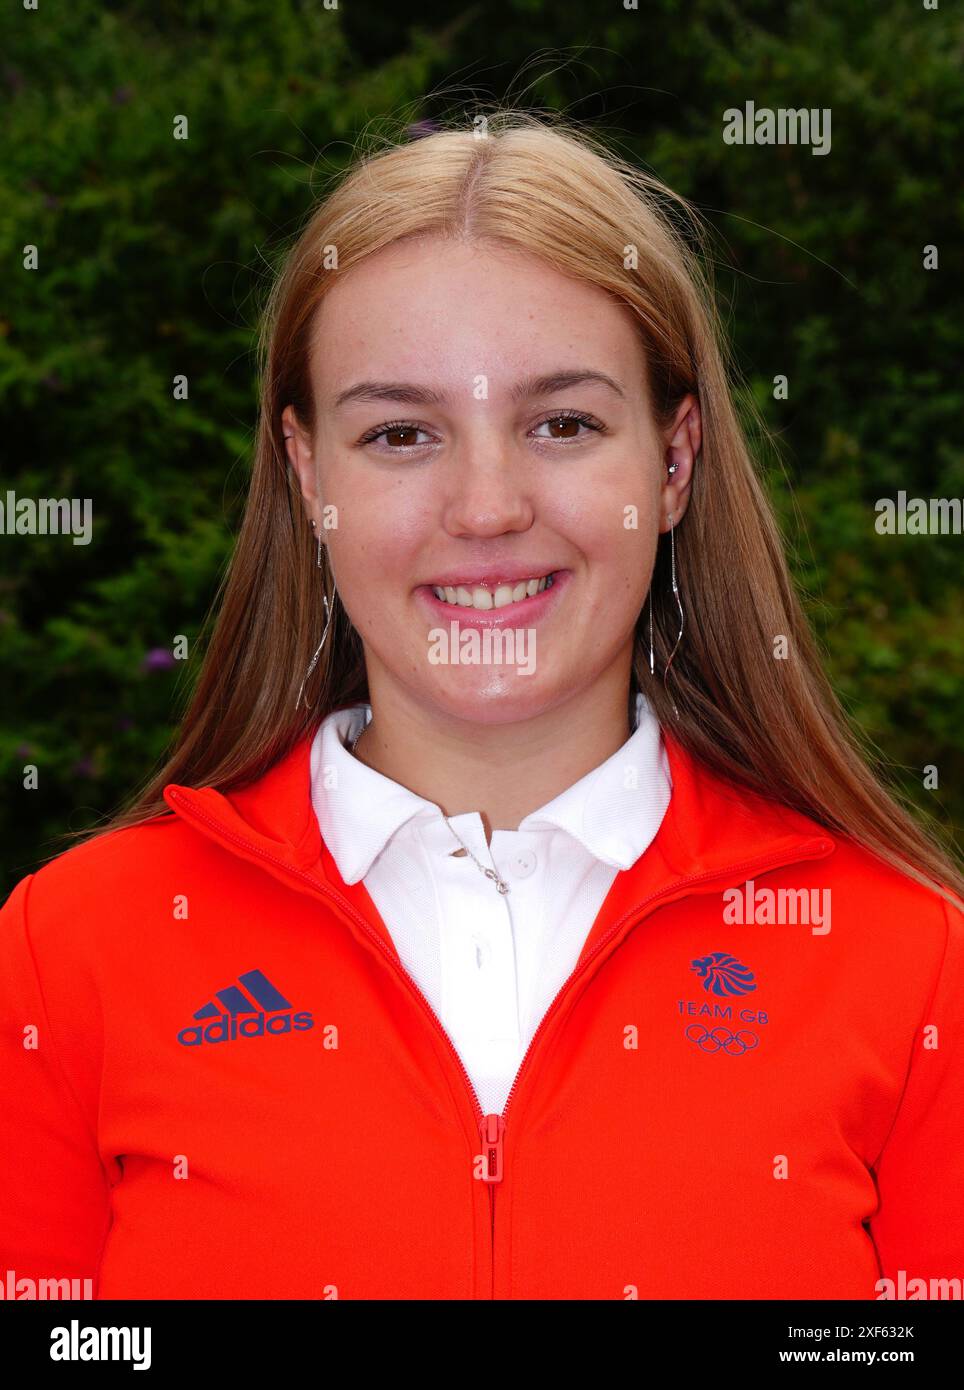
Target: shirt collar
[(614, 811)]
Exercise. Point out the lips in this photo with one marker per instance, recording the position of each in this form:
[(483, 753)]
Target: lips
[(526, 610), (500, 595)]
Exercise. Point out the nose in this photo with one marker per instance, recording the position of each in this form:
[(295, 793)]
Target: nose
[(488, 488)]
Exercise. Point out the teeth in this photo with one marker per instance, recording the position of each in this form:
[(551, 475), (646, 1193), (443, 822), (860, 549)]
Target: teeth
[(478, 597)]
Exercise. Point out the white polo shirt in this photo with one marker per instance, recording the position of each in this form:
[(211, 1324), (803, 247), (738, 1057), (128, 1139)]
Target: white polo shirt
[(490, 964)]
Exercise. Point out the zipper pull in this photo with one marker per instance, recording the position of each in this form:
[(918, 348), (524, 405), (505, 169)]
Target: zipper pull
[(493, 1129)]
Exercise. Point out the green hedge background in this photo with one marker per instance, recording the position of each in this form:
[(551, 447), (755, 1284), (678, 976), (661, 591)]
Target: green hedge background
[(155, 255)]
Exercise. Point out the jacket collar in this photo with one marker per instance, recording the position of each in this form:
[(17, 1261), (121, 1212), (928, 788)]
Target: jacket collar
[(710, 828)]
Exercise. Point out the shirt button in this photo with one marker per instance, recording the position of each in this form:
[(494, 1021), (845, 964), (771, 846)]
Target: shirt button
[(522, 864)]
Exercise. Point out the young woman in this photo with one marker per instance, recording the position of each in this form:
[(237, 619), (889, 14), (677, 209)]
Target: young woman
[(515, 918)]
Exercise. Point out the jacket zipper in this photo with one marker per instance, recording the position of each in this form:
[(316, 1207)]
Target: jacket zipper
[(492, 1127)]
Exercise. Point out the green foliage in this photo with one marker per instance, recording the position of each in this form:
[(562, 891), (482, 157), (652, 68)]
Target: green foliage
[(155, 255), (154, 258)]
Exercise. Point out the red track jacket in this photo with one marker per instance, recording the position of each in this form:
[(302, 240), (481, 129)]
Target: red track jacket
[(218, 1081)]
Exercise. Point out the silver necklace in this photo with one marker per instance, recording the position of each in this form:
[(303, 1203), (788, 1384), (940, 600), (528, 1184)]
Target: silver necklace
[(500, 883)]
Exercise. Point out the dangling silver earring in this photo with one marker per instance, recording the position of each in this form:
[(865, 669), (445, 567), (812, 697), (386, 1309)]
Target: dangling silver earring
[(679, 604), (652, 665), (670, 470), (314, 660)]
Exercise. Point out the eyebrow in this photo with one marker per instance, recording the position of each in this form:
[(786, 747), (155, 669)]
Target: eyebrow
[(525, 389)]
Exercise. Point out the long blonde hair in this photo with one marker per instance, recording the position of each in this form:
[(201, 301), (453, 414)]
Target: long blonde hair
[(539, 185)]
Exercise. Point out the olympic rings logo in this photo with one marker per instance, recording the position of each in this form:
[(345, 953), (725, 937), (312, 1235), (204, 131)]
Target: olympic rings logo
[(722, 1040)]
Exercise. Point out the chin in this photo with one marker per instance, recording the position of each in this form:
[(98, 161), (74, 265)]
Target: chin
[(494, 697)]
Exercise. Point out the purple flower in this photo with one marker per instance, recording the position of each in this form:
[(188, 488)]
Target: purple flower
[(158, 659)]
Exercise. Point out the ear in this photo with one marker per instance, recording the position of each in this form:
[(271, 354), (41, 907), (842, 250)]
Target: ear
[(302, 460), (681, 446)]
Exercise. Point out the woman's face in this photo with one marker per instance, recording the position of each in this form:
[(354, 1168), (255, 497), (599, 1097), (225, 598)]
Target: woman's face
[(483, 421)]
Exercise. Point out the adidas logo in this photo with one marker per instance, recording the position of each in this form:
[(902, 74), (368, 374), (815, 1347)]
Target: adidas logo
[(237, 1017)]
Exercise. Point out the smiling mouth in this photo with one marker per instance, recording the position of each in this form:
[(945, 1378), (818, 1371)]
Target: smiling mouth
[(502, 596)]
